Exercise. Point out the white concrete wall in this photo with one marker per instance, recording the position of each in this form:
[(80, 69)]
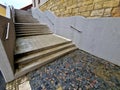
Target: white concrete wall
[(100, 37)]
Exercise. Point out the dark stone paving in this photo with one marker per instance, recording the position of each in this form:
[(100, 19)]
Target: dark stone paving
[(76, 71), (2, 82)]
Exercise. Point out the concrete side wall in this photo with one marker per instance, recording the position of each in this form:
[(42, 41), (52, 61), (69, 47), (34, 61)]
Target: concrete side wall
[(100, 37), (7, 48)]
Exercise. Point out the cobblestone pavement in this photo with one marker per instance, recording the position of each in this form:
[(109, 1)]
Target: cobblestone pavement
[(76, 71)]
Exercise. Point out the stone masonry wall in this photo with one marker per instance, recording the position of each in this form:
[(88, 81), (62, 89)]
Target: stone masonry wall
[(86, 8)]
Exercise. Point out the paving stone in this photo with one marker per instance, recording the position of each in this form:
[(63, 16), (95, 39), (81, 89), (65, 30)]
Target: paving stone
[(78, 70), (25, 86)]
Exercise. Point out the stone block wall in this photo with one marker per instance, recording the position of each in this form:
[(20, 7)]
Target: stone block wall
[(86, 8)]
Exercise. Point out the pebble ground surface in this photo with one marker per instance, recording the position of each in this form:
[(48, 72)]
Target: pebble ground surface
[(2, 82), (78, 70)]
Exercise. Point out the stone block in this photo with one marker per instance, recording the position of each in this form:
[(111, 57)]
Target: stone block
[(97, 12), (69, 3), (116, 12), (90, 7), (25, 86), (98, 5), (79, 4), (107, 12), (87, 2), (75, 10), (69, 11), (95, 1), (111, 3), (85, 14), (74, 2), (83, 8)]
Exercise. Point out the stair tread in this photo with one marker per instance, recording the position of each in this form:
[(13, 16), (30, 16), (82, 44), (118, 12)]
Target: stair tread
[(33, 29), (34, 65), (44, 52), (26, 44), (22, 24), (31, 34), (28, 32), (35, 32)]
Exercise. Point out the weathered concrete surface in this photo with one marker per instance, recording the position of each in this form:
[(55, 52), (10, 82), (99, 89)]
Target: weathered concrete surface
[(32, 43), (99, 36), (31, 29), (35, 51), (7, 48), (22, 16)]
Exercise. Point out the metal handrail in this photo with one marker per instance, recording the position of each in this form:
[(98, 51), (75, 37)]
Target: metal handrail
[(8, 29), (76, 29)]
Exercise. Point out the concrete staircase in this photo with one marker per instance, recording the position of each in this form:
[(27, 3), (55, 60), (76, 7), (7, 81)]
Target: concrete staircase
[(36, 45), (30, 29), (22, 16)]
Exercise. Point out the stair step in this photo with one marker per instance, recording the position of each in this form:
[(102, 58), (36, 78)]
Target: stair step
[(29, 24), (43, 53), (40, 62), (25, 53), (32, 29), (31, 34), (38, 42), (26, 32)]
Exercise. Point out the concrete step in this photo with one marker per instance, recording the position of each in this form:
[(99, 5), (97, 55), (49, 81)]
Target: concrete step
[(31, 34), (28, 58), (33, 31), (22, 24), (42, 61), (42, 29), (24, 54), (39, 42), (31, 27), (24, 17)]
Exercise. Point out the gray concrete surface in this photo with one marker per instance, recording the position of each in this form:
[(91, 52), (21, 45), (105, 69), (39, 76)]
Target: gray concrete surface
[(100, 36), (32, 43), (22, 16)]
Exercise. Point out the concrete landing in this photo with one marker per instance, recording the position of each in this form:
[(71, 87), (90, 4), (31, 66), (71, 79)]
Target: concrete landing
[(32, 43)]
